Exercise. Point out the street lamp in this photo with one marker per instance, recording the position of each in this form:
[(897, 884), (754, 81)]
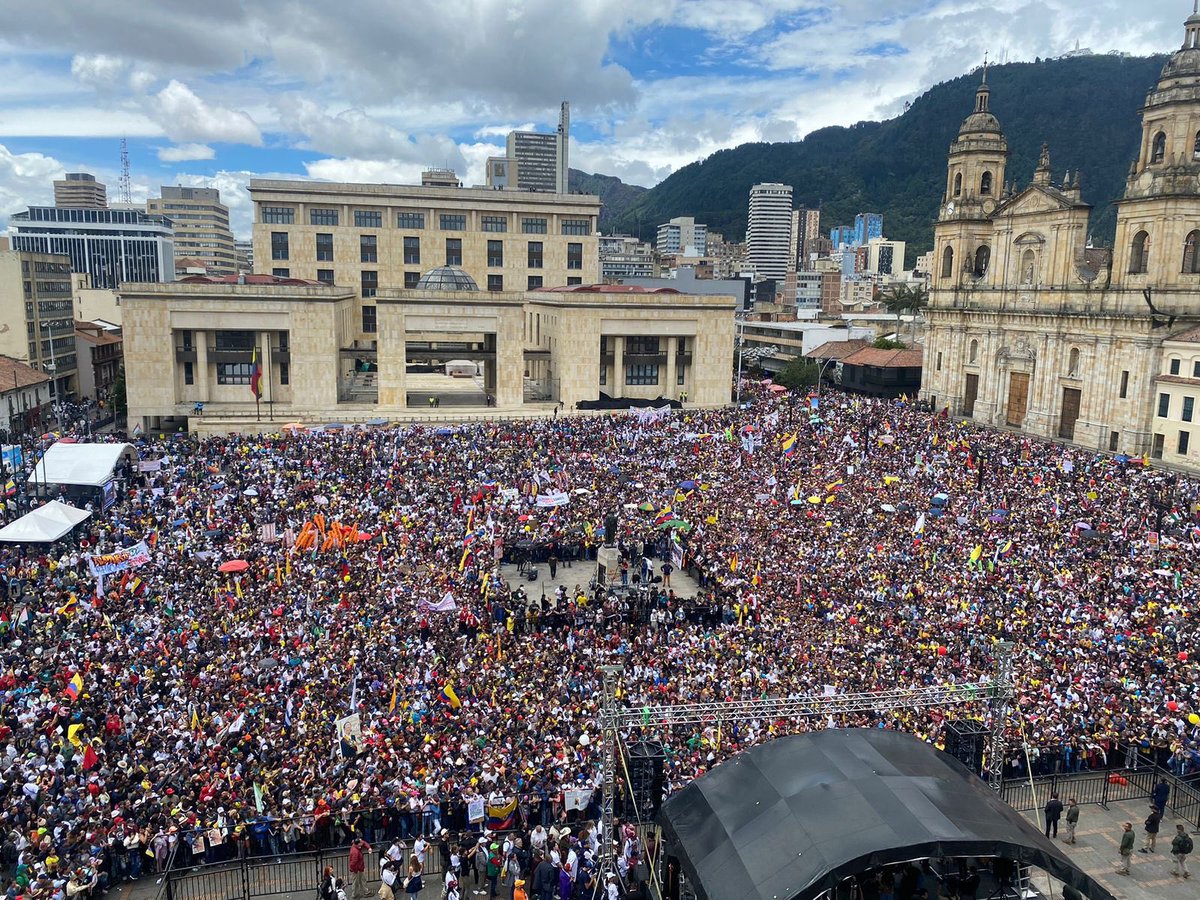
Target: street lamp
[(52, 368)]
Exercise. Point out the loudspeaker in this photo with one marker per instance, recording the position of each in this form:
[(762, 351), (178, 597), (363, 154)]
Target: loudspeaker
[(647, 763), (966, 742)]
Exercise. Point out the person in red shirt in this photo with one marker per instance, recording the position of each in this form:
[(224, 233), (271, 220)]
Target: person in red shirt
[(358, 866)]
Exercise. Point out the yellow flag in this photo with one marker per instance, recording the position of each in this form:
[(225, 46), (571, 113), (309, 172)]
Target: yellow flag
[(73, 732)]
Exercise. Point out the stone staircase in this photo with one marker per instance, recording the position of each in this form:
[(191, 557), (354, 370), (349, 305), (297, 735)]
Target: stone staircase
[(363, 387)]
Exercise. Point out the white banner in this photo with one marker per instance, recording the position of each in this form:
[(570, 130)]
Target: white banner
[(475, 810), (111, 563), (553, 498), (650, 415), (576, 798)]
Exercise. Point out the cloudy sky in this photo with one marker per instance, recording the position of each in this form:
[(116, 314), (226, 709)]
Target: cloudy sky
[(374, 90)]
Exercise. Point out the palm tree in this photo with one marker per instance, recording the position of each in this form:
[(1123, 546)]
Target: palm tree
[(906, 298)]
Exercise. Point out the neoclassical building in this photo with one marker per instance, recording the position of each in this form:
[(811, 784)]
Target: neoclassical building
[(1029, 327)]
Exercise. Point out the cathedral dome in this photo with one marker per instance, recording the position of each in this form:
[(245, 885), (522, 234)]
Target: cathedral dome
[(981, 121)]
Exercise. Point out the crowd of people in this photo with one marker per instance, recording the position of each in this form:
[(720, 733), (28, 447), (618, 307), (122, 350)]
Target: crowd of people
[(854, 546)]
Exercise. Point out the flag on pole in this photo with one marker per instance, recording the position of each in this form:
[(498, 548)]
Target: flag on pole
[(255, 375), (90, 759), (392, 705)]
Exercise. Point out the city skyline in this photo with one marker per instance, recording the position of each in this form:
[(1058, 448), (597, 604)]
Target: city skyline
[(211, 101)]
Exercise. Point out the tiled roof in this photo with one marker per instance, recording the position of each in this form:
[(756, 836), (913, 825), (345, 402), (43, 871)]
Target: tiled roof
[(838, 349), (15, 374), (887, 359)]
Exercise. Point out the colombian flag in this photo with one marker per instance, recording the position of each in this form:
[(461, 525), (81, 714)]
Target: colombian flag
[(789, 444), (255, 375), (503, 816), (448, 696), (74, 687)]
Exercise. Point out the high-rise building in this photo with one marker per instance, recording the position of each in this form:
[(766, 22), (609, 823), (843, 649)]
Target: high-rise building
[(769, 230), (841, 236), (245, 254), (885, 257), (112, 246), (36, 303), (806, 228), (79, 189), (535, 161), (682, 236), (201, 223), (380, 236), (623, 256), (867, 227)]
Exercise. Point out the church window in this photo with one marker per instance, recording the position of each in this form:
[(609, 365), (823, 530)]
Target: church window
[(948, 262), (958, 184), (985, 184), (1158, 149), (1196, 147), (1073, 363), (983, 256), (973, 353), (1139, 253), (1028, 267), (1191, 260), (1175, 362)]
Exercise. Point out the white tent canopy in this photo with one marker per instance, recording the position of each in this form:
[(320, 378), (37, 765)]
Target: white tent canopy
[(81, 464), (44, 524)]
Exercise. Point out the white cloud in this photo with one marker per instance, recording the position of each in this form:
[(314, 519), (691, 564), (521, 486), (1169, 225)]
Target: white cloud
[(367, 171), (502, 130), (186, 117), (25, 179), (185, 152)]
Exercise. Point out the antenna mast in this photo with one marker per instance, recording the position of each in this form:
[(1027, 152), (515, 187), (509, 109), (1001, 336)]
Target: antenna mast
[(124, 186)]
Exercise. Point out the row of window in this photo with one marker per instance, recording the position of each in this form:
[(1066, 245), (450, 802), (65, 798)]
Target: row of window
[(415, 221), (1139, 254), (368, 251), (369, 280), (235, 373), (1185, 414), (641, 375)]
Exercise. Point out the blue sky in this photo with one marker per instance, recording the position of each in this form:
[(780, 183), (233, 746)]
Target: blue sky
[(363, 90)]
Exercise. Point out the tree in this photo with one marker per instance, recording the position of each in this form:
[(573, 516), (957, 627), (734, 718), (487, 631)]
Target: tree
[(117, 394), (798, 374), (882, 343), (906, 298)]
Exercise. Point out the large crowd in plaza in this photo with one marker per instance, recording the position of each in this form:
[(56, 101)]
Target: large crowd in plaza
[(206, 700)]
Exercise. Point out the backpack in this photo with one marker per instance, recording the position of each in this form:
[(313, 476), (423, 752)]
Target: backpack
[(1186, 844)]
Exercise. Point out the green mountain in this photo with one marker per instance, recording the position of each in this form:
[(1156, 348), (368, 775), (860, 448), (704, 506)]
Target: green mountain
[(1085, 108), (616, 195)]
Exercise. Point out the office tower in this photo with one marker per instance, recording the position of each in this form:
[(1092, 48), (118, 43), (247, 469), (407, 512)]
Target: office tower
[(201, 226), (79, 189), (867, 227), (113, 246), (682, 236), (535, 161), (769, 230)]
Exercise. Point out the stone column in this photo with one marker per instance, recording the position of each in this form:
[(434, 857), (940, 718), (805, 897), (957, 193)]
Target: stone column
[(265, 358), (616, 383), (671, 389), (202, 373), (391, 357)]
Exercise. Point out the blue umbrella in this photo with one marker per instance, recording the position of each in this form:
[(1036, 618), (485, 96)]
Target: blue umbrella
[(687, 485)]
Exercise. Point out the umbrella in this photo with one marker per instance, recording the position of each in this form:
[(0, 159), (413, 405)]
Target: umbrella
[(250, 492), (1093, 534), (268, 663), (234, 565), (578, 491), (687, 485), (777, 389), (888, 508), (630, 506), (675, 523), (377, 421), (646, 506), (293, 426), (333, 426), (445, 431)]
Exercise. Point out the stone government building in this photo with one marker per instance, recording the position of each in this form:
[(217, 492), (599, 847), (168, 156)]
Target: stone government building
[(1031, 328)]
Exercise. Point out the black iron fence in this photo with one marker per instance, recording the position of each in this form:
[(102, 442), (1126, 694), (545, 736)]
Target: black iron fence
[(293, 873)]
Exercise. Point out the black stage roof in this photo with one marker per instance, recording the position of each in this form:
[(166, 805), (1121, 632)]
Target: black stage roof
[(789, 819)]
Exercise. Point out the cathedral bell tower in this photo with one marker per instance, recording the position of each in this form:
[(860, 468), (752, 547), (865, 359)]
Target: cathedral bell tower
[(974, 184)]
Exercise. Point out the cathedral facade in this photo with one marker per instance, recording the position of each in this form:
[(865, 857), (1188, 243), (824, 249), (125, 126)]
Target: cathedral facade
[(1029, 327)]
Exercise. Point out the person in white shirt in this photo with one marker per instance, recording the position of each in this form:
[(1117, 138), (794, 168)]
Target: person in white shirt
[(387, 877), (396, 852), (610, 891)]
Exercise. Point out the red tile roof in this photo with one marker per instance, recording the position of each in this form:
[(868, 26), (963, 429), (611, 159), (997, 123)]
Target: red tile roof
[(245, 279), (887, 359), (15, 374), (838, 349)]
